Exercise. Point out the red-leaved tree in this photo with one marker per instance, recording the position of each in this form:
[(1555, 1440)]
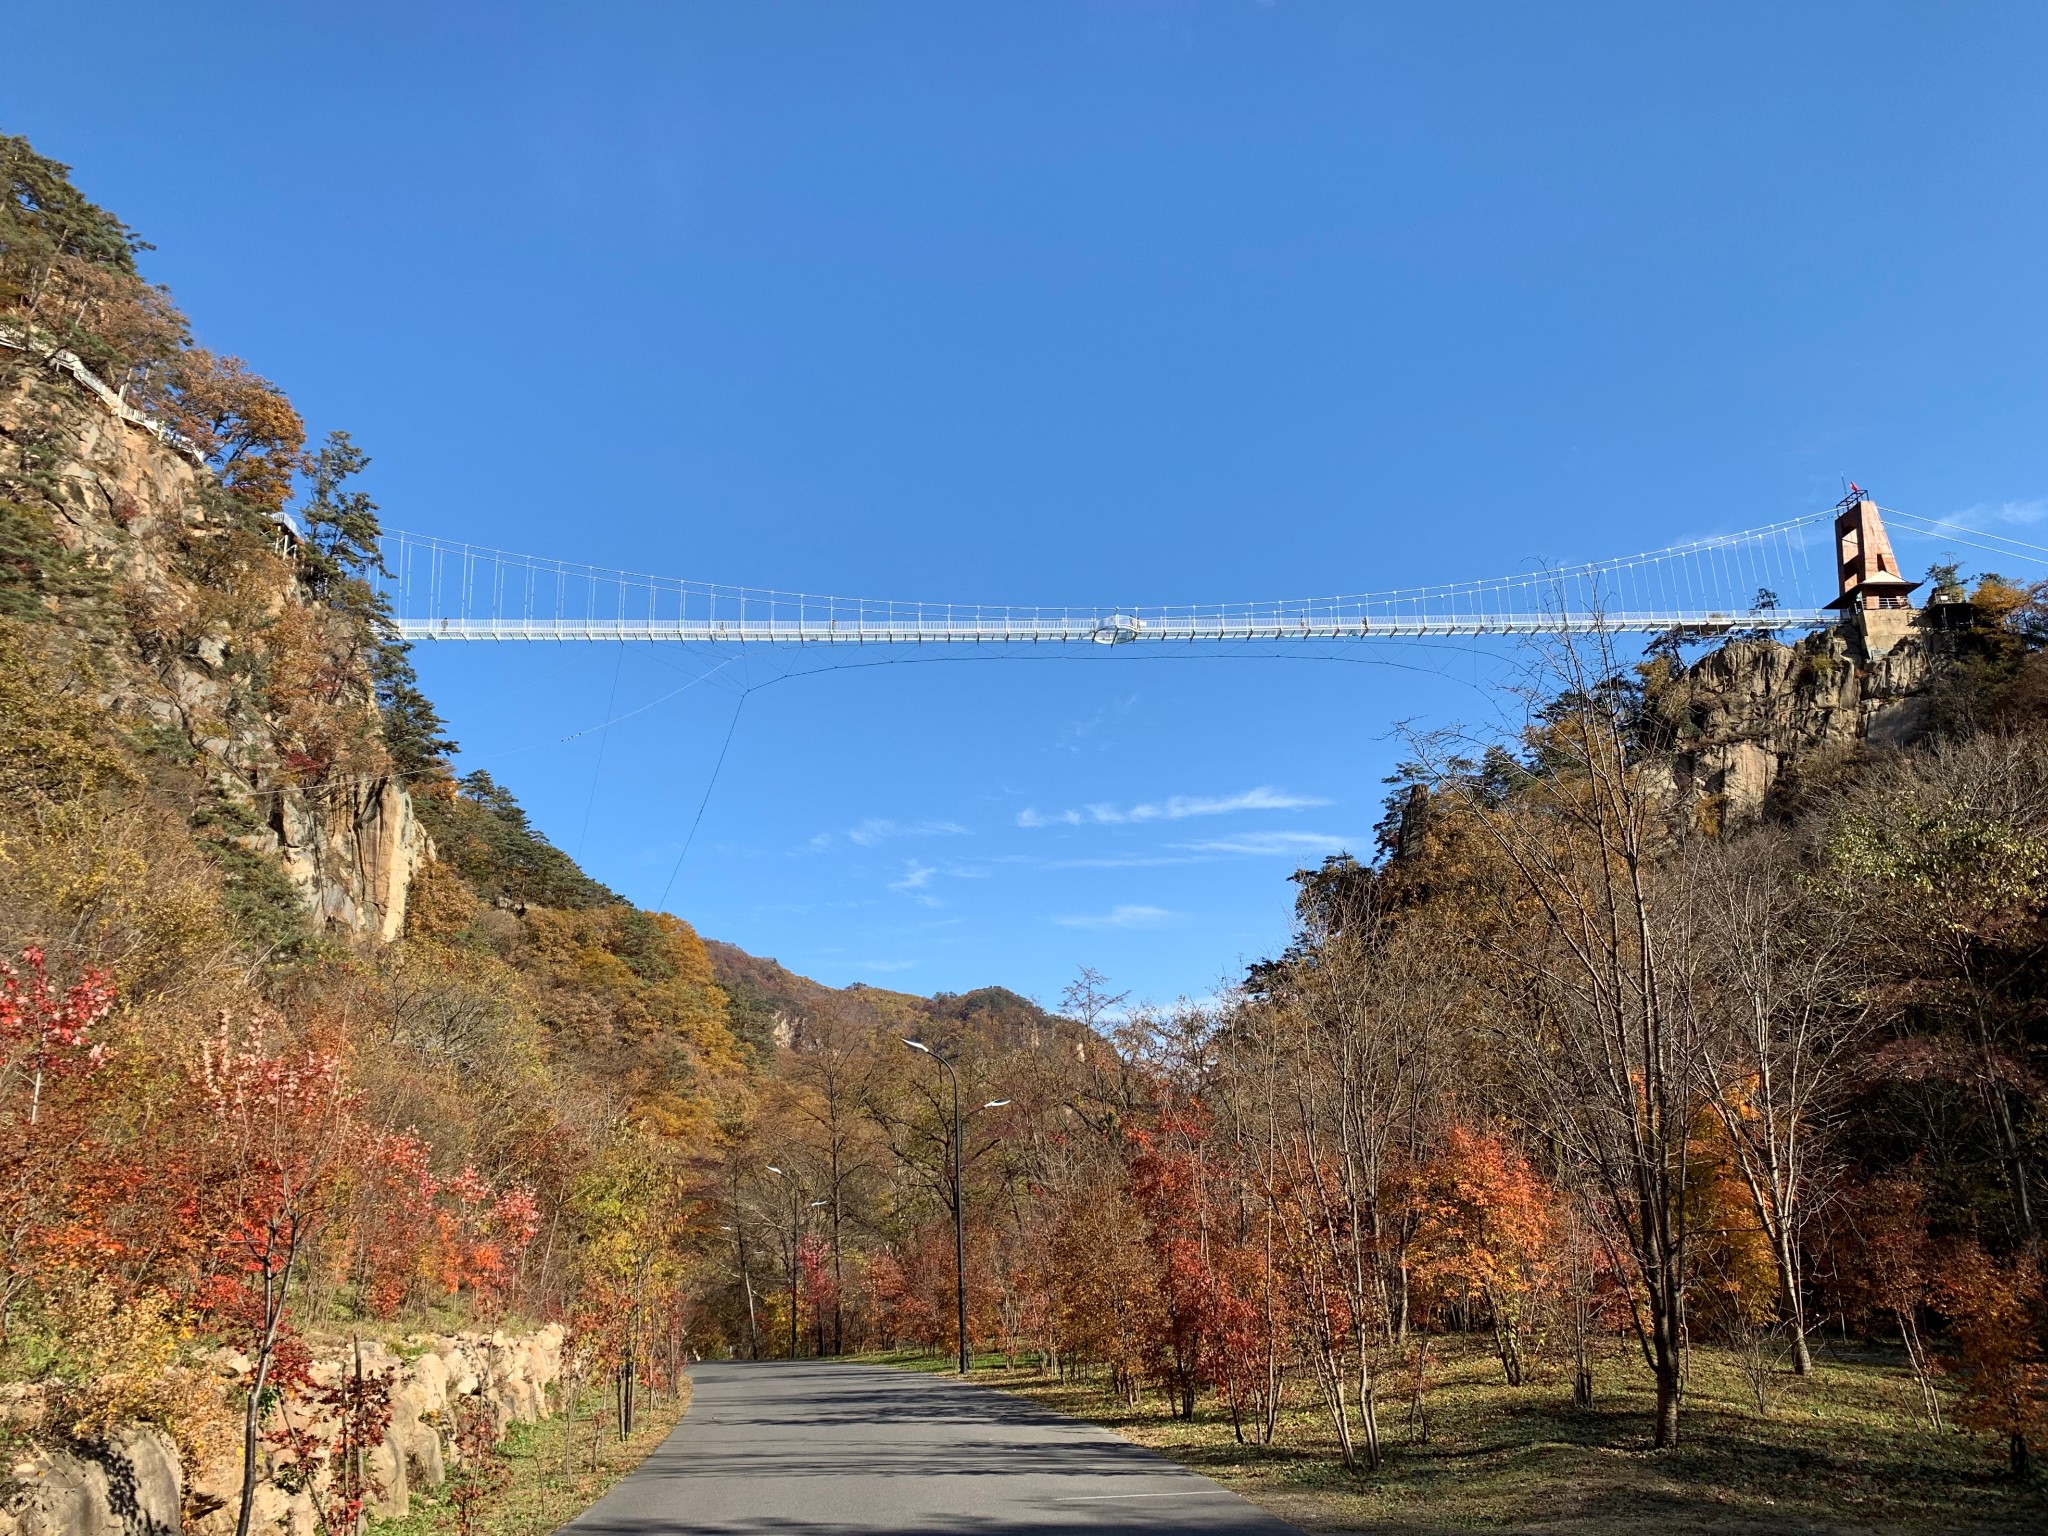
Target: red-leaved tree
[(47, 1057), (281, 1127)]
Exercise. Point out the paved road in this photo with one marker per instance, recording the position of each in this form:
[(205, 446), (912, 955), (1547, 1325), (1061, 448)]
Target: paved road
[(784, 1448)]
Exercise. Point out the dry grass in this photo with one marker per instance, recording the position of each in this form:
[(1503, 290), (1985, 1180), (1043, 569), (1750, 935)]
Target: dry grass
[(539, 1496), (1843, 1451)]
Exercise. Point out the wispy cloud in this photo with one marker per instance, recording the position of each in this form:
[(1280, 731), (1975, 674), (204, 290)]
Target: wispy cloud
[(1114, 861), (1988, 514), (876, 830), (1291, 843), (916, 876), (1174, 808), (888, 965), (1078, 732), (1126, 916)]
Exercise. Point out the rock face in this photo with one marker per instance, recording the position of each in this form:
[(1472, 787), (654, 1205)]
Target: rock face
[(127, 505), (1744, 712), (129, 1487), (133, 1485), (352, 852)]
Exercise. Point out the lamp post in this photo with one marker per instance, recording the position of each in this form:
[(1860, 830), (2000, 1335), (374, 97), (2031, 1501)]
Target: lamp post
[(738, 1230), (959, 1202), (821, 1327), (959, 1206)]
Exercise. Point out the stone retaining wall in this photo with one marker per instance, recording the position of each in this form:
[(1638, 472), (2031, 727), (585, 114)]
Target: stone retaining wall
[(134, 1485)]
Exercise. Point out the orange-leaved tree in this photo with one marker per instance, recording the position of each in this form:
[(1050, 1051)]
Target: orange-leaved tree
[(1999, 1312), (243, 424), (1891, 1270), (1492, 1229)]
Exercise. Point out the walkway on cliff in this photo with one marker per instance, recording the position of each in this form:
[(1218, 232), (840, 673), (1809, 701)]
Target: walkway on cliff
[(795, 1448)]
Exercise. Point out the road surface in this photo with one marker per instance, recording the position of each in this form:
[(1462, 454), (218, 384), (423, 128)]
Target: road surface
[(781, 1448)]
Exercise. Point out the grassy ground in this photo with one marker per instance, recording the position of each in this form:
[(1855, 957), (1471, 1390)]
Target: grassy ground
[(538, 1495), (1843, 1451)]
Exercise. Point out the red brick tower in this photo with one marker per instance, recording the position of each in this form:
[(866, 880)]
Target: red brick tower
[(1873, 589)]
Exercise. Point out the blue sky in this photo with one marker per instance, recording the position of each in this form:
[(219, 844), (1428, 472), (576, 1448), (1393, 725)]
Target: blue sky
[(1069, 302)]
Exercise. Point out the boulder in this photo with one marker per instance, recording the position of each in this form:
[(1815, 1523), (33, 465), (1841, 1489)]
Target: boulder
[(131, 1486), (147, 1479)]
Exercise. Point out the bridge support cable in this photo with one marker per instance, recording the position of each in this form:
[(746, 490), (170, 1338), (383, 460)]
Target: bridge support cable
[(1985, 540)]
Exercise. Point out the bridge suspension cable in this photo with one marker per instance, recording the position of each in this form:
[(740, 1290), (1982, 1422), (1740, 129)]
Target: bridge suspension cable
[(443, 590)]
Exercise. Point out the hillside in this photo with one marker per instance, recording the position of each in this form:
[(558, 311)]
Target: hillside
[(769, 1002)]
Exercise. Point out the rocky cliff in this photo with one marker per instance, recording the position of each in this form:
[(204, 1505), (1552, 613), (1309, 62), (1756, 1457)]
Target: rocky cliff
[(199, 634), (1743, 715)]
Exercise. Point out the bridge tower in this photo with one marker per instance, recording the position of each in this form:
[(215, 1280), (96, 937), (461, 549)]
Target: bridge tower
[(1875, 597)]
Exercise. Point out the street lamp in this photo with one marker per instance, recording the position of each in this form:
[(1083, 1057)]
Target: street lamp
[(816, 1317), (959, 1200), (739, 1233)]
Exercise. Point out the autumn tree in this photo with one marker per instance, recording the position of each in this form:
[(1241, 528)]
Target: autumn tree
[(1891, 1272), (1492, 1228), (279, 1126), (1784, 1020), (2000, 1314), (1940, 862), (243, 424), (1169, 1180), (48, 1054), (68, 279), (1597, 944), (830, 1072)]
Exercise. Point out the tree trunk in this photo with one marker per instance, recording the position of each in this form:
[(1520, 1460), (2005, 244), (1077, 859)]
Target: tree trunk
[(1340, 1415), (1802, 1357), (1507, 1341), (1330, 1377), (1368, 1409), (1667, 1364), (1418, 1414), (1582, 1354), (1793, 1302), (276, 1286), (1916, 1356), (1667, 1404)]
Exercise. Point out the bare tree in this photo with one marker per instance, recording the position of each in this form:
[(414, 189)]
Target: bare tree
[(1785, 1014), (1594, 939), (831, 1070)]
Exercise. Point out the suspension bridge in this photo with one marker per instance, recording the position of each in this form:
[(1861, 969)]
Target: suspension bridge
[(441, 590), (1785, 576)]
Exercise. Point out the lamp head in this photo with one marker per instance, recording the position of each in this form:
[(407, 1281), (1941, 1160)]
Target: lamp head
[(918, 1045), (995, 1103)]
